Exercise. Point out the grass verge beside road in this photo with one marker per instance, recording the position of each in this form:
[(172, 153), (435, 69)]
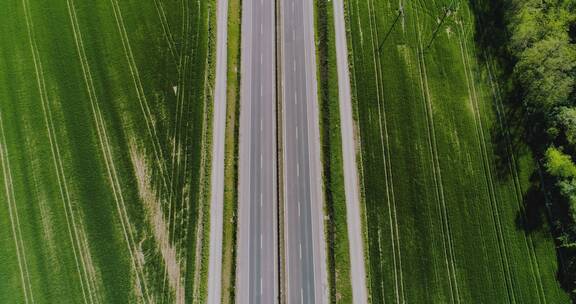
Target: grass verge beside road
[(208, 118), (231, 153), (338, 252)]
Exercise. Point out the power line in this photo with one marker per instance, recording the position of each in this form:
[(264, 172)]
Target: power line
[(400, 13), (446, 12)]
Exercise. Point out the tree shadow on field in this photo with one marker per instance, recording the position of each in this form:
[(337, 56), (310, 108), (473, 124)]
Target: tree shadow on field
[(532, 218), (535, 219), (516, 132), (491, 32), (491, 37), (508, 137)]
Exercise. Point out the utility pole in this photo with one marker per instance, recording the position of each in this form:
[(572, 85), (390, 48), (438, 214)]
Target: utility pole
[(400, 13), (440, 24)]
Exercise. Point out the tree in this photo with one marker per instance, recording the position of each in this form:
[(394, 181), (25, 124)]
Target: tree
[(546, 72), (566, 121), (559, 164), (568, 190)]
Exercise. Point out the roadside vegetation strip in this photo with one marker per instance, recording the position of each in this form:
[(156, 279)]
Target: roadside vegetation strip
[(14, 219), (229, 240), (207, 131), (230, 198), (336, 231)]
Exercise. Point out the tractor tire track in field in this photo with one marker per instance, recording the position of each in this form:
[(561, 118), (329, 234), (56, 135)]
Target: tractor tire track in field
[(113, 178), (143, 102), (166, 28), (178, 152), (386, 157), (14, 219), (79, 248), (174, 176), (185, 194), (486, 163), (180, 98), (177, 149), (447, 239), (152, 204), (529, 241)]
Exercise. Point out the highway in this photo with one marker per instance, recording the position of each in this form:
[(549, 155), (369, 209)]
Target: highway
[(303, 198), (257, 260)]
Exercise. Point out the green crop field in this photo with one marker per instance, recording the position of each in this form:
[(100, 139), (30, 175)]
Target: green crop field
[(103, 120), (443, 203)]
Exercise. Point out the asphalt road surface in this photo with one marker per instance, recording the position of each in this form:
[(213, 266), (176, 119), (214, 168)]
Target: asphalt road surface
[(217, 178), (304, 228), (357, 271), (257, 273)]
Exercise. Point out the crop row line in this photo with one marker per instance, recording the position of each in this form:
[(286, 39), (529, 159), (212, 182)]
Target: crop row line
[(472, 92), (107, 152), (447, 240)]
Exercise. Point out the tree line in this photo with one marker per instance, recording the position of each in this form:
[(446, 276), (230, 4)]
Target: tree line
[(542, 48)]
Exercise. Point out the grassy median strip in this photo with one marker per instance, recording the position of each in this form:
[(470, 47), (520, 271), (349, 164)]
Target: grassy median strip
[(231, 154), (338, 252)]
